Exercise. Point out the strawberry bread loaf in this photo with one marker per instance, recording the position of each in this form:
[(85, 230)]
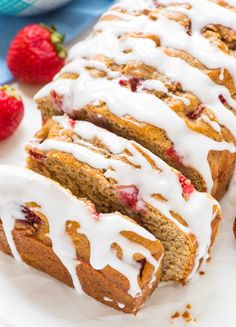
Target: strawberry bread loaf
[(162, 73), (120, 175), (107, 256)]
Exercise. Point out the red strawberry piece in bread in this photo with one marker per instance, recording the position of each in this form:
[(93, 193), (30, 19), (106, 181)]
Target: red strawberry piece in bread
[(11, 111), (36, 54), (186, 185), (129, 196), (30, 216), (171, 153)]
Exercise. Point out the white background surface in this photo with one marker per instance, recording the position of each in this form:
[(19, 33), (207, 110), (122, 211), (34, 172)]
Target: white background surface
[(29, 298)]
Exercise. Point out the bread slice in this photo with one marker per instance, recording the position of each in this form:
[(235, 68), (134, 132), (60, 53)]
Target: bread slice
[(107, 256), (162, 74), (121, 175)]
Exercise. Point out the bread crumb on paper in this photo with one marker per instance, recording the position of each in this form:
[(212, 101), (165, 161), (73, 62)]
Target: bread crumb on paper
[(175, 315), (186, 315)]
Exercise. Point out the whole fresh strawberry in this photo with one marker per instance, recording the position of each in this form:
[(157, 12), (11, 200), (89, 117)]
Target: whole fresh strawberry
[(36, 54), (11, 111)]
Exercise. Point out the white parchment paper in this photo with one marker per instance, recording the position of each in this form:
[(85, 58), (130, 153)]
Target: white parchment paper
[(29, 298)]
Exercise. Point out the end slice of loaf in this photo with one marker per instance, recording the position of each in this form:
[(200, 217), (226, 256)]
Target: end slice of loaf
[(107, 256), (121, 175)]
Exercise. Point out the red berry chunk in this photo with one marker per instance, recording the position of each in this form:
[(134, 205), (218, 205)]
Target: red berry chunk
[(174, 156), (30, 217), (134, 83), (128, 195), (36, 155), (196, 113), (222, 99), (122, 82), (72, 122), (186, 185), (56, 99), (95, 214)]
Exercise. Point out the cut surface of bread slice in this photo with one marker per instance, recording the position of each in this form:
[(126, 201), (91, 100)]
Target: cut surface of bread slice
[(107, 256), (162, 74), (121, 175)]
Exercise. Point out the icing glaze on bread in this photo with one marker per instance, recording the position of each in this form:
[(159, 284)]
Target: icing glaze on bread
[(156, 64), (25, 194)]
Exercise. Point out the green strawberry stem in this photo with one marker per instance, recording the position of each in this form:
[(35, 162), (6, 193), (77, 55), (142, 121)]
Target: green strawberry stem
[(10, 91), (57, 40)]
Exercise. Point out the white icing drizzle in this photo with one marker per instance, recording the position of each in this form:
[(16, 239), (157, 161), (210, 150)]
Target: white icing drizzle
[(152, 84), (184, 100), (197, 211), (212, 123), (143, 107), (204, 12), (19, 186), (88, 131), (204, 88), (120, 305), (195, 44), (10, 212), (146, 107), (221, 77)]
